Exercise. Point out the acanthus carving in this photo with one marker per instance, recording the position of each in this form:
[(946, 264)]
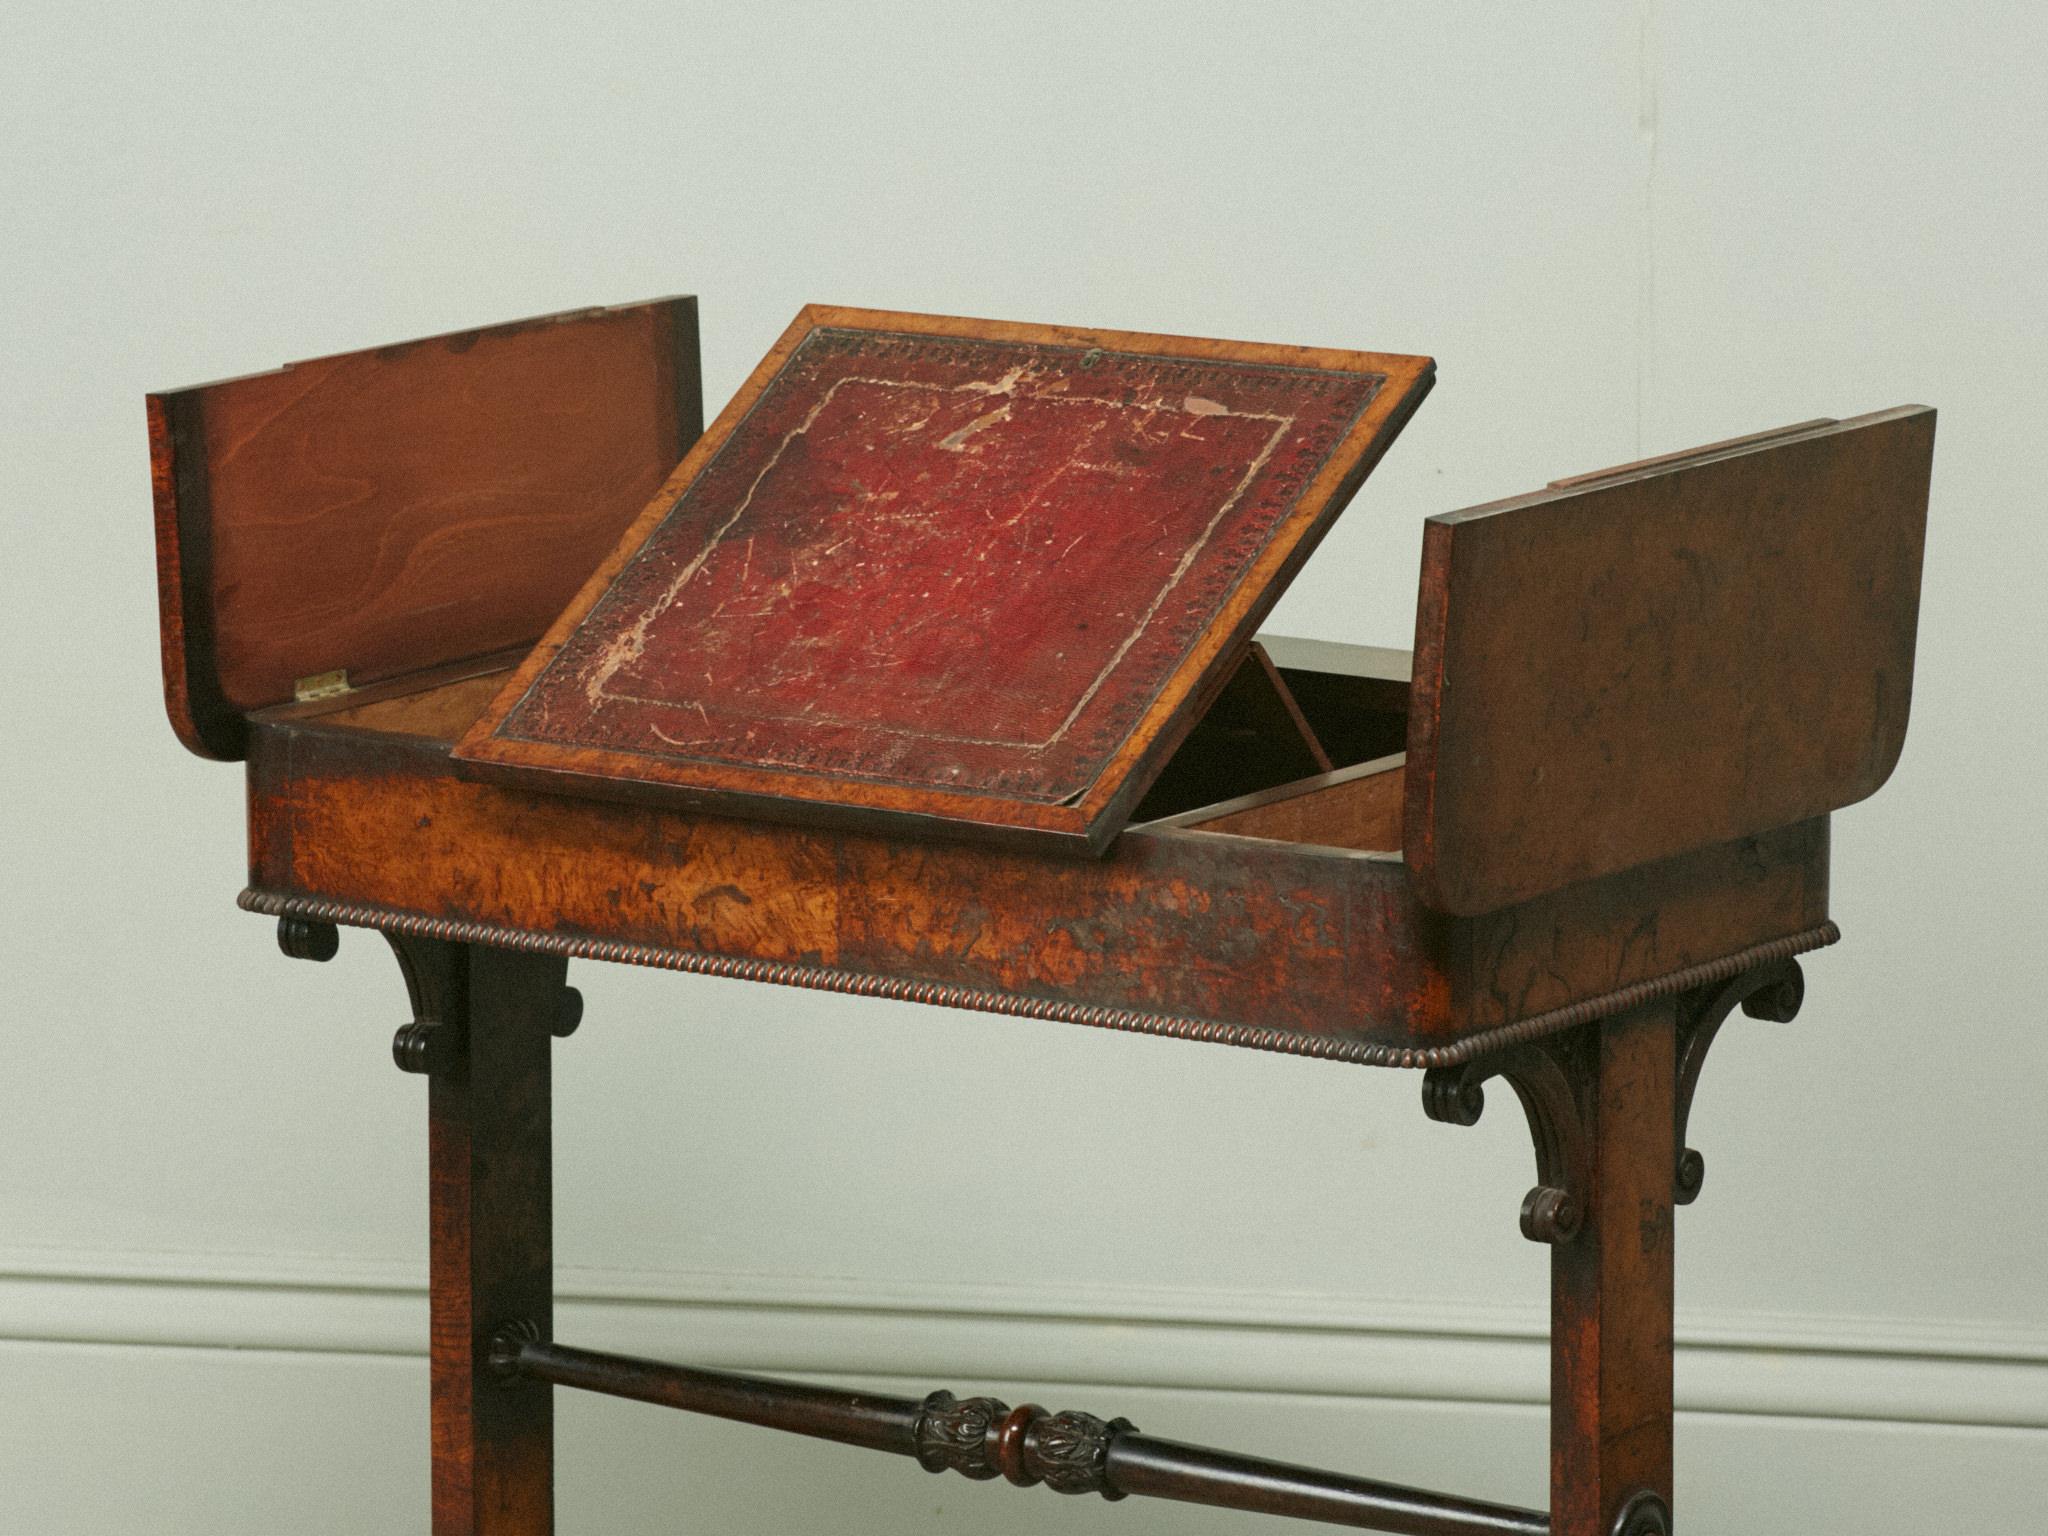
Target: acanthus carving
[(1773, 991), (1548, 1075), (1070, 1451), (983, 1438), (953, 1435)]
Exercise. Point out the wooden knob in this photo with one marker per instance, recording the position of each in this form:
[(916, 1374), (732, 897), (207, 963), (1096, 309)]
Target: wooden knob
[(306, 938), (569, 1014), (425, 1046)]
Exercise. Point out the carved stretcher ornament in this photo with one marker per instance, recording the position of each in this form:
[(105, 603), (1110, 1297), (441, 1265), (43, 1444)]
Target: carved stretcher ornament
[(930, 671)]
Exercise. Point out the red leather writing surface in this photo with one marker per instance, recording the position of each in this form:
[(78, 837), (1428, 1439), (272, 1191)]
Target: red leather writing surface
[(943, 563)]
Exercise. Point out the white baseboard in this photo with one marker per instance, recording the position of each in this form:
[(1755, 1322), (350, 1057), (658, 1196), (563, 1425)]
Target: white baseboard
[(251, 1442), (1340, 1347)]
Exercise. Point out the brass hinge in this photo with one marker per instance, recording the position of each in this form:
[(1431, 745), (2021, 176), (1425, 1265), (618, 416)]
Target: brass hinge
[(321, 685)]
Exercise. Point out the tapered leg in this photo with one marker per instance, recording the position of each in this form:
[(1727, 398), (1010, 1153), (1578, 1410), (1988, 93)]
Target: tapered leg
[(1611, 1290), (484, 1020)]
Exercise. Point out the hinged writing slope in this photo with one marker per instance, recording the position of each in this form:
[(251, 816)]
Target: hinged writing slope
[(965, 575)]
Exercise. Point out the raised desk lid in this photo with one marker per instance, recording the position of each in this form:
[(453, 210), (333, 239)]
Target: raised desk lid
[(1686, 651), (973, 576), (384, 513)]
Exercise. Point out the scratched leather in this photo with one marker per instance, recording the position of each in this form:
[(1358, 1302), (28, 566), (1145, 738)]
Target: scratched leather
[(935, 562)]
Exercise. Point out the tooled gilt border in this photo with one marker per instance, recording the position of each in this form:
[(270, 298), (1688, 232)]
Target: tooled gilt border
[(946, 995)]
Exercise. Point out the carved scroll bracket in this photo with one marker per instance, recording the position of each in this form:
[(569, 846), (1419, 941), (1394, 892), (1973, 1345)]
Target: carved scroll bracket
[(436, 980), (1773, 992), (982, 1438), (1548, 1075)]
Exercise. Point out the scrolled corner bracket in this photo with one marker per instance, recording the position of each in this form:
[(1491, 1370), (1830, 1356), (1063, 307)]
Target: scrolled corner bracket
[(983, 1438), (1545, 1075), (1773, 991), (1645, 1514), (307, 938)]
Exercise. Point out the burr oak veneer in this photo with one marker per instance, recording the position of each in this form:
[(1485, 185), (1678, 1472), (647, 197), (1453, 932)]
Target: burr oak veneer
[(931, 671)]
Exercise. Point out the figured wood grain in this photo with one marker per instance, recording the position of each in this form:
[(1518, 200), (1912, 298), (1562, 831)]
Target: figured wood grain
[(1239, 931), (490, 1226), (440, 713), (1656, 660), (1611, 1285), (971, 577), (388, 511)]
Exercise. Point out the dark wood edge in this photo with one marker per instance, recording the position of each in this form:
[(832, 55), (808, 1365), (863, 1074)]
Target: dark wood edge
[(1432, 613), (1285, 694), (199, 711), (1563, 490), (686, 364), (1699, 455), (946, 995), (461, 334), (1085, 825)]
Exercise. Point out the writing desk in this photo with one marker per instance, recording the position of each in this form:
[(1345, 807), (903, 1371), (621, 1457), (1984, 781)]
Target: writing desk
[(1559, 844)]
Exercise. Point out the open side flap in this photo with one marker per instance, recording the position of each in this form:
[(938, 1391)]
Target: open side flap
[(1680, 653), (356, 518)]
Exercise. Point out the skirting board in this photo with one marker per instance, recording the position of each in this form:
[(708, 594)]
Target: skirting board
[(96, 1439), (959, 1337)]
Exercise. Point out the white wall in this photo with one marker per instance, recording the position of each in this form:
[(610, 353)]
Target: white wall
[(1621, 228)]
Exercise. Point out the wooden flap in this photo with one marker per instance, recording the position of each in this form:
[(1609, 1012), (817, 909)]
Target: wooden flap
[(1694, 649), (360, 517), (966, 575)]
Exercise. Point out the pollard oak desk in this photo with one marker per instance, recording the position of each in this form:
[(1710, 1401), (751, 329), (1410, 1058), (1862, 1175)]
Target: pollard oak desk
[(930, 671)]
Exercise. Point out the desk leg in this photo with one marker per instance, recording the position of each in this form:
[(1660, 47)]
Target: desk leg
[(1602, 1105), (484, 1022), (1611, 1290)]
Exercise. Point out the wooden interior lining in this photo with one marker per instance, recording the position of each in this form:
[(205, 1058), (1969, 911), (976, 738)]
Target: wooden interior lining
[(388, 511), (1251, 736), (1357, 807), (1355, 697), (440, 713)]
